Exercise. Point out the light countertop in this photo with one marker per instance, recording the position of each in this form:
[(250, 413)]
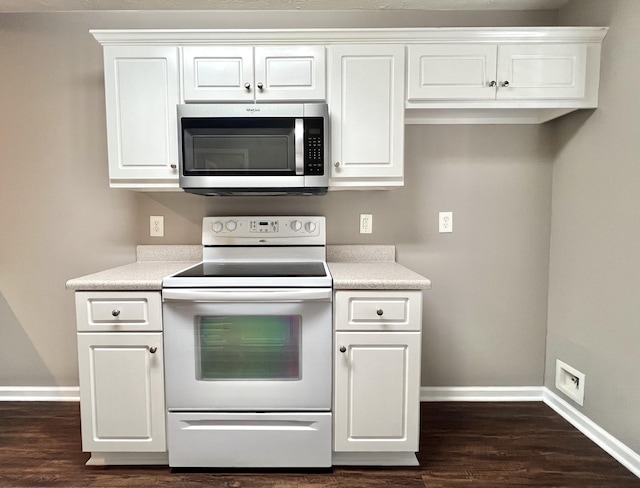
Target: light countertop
[(385, 275), (352, 267), (141, 275)]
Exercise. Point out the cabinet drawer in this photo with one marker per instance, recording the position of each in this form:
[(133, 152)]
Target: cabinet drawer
[(378, 310), (118, 311)]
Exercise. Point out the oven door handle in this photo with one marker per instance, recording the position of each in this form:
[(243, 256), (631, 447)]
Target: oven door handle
[(247, 295)]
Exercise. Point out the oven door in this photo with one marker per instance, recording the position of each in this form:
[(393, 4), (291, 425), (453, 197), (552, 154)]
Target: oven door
[(248, 349)]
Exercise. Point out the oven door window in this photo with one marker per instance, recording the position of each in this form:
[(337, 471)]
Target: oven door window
[(248, 347), (238, 147)]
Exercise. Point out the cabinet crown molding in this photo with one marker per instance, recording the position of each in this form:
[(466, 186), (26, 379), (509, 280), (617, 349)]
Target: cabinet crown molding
[(357, 35)]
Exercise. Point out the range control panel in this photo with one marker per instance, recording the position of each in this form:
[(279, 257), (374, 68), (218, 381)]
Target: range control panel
[(244, 230)]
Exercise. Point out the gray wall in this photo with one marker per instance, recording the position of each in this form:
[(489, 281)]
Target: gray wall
[(485, 319), (594, 278)]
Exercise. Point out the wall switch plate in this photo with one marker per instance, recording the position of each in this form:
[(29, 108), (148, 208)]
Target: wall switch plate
[(156, 226), (570, 381), (445, 222), (366, 223)]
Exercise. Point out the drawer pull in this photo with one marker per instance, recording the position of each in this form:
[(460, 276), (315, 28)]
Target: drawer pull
[(115, 312), (153, 349), (380, 312), (343, 349)]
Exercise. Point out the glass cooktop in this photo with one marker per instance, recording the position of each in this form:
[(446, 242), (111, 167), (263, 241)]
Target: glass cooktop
[(254, 270)]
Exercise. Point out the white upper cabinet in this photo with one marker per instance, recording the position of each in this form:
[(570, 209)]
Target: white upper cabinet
[(366, 109), (451, 72), (142, 90), (490, 72), (244, 73), (374, 81), (548, 71), (518, 75)]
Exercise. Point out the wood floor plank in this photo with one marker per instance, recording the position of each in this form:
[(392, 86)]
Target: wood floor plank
[(461, 444)]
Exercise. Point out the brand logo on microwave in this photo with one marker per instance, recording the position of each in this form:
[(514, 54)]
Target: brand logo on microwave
[(253, 109)]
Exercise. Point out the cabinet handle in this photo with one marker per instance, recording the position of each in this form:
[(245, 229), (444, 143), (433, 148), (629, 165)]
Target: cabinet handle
[(115, 312), (343, 349), (504, 84), (260, 85), (247, 85), (380, 312), (174, 166), (337, 164), (153, 349), (492, 83)]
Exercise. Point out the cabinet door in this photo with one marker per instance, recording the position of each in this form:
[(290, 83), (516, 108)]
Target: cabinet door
[(141, 92), (290, 73), (548, 71), (366, 104), (452, 72), (218, 73), (377, 386), (121, 392)]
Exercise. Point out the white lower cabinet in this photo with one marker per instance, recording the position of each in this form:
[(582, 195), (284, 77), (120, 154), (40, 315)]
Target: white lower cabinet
[(377, 373), (122, 391), (121, 373), (377, 381)]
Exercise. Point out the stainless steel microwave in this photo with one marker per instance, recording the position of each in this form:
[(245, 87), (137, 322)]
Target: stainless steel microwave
[(254, 149)]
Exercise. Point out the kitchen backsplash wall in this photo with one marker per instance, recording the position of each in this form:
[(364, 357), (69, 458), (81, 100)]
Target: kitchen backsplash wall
[(485, 317)]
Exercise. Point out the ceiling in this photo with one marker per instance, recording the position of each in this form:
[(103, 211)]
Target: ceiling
[(88, 5)]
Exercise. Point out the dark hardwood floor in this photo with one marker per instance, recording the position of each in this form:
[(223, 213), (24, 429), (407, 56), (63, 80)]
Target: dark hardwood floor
[(461, 444)]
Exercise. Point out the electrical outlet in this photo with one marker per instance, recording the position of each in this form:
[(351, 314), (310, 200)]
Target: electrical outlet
[(156, 226), (570, 381), (366, 223), (445, 222)]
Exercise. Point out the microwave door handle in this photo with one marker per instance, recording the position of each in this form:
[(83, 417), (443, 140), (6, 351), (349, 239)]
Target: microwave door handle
[(249, 295), (299, 146)]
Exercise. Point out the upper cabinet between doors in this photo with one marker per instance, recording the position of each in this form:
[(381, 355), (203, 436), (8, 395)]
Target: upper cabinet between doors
[(375, 81), (229, 73)]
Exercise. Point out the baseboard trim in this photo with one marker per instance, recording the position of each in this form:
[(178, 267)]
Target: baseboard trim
[(616, 449), (39, 394), (374, 459), (481, 394), (608, 443)]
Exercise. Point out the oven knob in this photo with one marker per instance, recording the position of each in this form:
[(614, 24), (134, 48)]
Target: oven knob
[(311, 226), (232, 225), (217, 227), (296, 225)]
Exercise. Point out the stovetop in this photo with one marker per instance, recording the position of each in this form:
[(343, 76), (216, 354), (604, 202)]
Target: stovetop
[(257, 270), (258, 252), (252, 275)]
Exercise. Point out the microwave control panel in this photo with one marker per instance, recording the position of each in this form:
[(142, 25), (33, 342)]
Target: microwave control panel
[(313, 146)]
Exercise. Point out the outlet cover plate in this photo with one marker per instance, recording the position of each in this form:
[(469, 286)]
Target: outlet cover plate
[(366, 223), (445, 222), (570, 381), (156, 226)]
